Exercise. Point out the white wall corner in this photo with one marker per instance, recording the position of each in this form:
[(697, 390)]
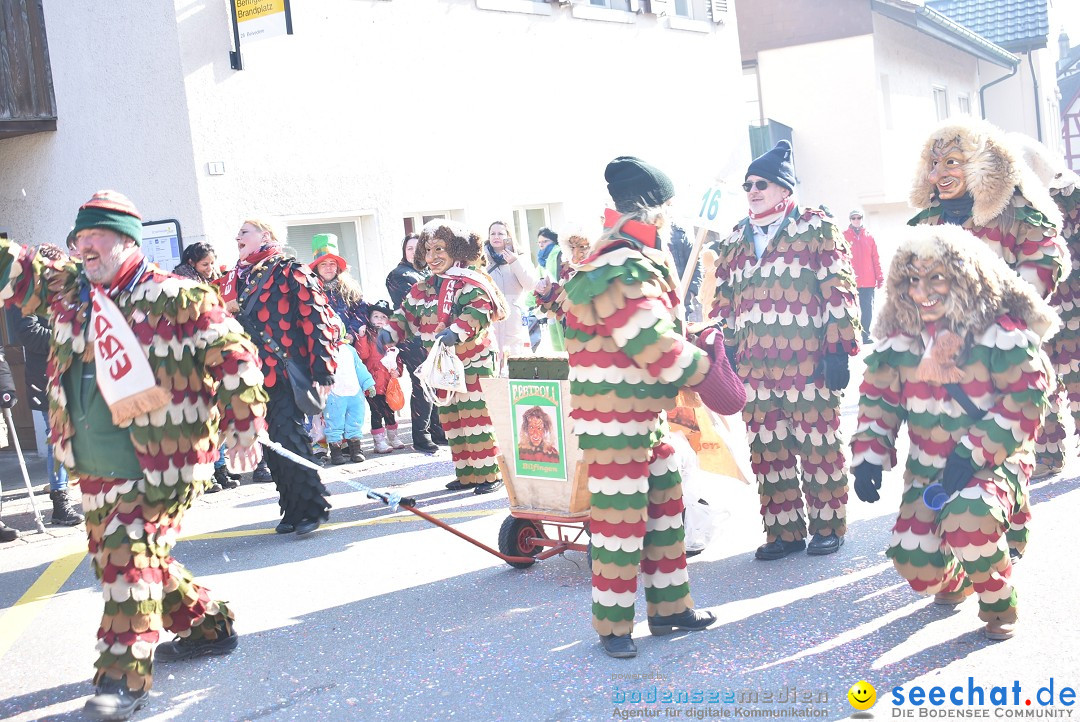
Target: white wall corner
[(515, 6)]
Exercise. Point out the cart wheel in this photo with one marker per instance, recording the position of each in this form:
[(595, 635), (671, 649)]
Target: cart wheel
[(516, 540)]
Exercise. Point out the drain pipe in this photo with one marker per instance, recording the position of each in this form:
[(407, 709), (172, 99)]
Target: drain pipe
[(1038, 111), (982, 90)]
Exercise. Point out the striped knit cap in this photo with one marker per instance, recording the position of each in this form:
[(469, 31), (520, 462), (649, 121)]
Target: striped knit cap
[(111, 210)]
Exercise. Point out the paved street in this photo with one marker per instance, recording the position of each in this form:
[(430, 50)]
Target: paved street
[(381, 615)]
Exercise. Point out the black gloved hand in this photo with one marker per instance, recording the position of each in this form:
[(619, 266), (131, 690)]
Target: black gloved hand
[(448, 336), (867, 481), (957, 474), (7, 400), (836, 371), (383, 339)]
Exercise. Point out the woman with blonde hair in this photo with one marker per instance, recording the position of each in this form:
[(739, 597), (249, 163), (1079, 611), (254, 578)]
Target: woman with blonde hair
[(280, 303), (516, 278)]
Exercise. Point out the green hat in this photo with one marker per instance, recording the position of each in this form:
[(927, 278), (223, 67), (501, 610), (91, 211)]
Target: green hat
[(324, 247), (111, 210)]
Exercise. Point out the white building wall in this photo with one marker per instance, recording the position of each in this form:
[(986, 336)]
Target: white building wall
[(373, 110), (1011, 103), (123, 122), (825, 92), (909, 65), (860, 109)]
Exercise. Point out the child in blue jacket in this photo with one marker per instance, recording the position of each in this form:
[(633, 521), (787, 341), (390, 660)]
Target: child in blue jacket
[(345, 406)]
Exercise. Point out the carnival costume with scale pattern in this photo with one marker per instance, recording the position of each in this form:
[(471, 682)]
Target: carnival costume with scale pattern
[(466, 301), (281, 300), (209, 373), (990, 343), (628, 360), (785, 312), (1013, 214)]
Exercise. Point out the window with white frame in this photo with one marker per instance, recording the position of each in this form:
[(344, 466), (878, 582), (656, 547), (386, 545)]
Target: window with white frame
[(613, 4), (691, 9), (941, 102), (301, 232), (528, 220), (963, 102), (413, 222)]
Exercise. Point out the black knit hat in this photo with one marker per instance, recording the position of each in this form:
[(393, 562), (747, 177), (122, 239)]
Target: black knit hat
[(775, 166), (633, 183)]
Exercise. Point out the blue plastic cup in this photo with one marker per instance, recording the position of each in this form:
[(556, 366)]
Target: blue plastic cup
[(934, 496)]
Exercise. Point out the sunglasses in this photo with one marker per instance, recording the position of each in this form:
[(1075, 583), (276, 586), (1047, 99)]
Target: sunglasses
[(760, 185)]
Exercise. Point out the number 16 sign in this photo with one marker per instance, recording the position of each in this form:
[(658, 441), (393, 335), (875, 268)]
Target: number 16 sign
[(720, 208)]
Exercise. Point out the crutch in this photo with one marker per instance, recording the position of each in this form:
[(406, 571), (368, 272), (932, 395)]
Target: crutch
[(25, 474)]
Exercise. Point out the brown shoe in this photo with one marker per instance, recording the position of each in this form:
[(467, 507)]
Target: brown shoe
[(950, 598), (1000, 631), (1045, 470)]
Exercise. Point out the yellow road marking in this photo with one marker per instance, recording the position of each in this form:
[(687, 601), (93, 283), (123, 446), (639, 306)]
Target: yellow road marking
[(30, 605), (21, 615)]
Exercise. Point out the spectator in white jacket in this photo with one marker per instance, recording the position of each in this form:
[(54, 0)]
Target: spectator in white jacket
[(516, 278)]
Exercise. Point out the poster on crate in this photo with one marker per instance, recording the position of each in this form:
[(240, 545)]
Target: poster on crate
[(536, 410)]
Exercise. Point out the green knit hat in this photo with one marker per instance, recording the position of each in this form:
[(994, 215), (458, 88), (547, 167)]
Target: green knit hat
[(111, 210)]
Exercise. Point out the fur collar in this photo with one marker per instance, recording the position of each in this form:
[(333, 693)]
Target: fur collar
[(994, 169)]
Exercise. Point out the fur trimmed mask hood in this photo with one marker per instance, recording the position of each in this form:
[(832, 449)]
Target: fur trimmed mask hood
[(462, 245), (1050, 167), (993, 169), (983, 286)]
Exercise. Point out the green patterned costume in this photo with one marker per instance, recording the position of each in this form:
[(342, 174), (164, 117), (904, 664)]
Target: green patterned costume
[(210, 370), (785, 312)]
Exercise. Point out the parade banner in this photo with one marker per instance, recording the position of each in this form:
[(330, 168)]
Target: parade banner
[(536, 417), (262, 19)]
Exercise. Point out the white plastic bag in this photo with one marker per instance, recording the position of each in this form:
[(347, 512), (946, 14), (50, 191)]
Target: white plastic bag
[(699, 521), (441, 375), (389, 359)]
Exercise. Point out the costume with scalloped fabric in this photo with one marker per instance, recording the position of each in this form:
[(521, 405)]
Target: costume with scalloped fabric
[(209, 370), (467, 301), (1013, 214), (998, 325), (628, 360), (785, 311), (287, 305), (1064, 349)]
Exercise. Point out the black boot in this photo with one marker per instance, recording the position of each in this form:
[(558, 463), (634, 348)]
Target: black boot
[(62, 512), (619, 646), (7, 534), (262, 474), (355, 454), (114, 701), (222, 478), (337, 454), (183, 648)]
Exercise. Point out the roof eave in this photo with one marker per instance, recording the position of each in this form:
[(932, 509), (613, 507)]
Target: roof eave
[(930, 22)]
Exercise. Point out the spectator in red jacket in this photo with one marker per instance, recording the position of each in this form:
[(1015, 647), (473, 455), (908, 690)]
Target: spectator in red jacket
[(864, 258)]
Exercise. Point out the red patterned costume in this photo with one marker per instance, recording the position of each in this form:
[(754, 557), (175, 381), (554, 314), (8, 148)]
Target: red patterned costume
[(785, 313), (971, 380), (208, 380), (281, 304), (460, 303), (1001, 202)]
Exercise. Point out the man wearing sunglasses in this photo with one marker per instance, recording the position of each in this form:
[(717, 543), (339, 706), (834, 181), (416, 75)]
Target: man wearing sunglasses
[(786, 290)]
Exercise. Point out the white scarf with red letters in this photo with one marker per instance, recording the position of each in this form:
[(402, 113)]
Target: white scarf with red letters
[(124, 376)]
